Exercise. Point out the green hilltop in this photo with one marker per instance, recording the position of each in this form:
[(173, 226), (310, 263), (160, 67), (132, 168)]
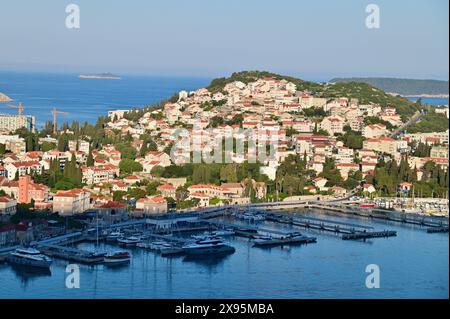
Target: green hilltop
[(402, 86)]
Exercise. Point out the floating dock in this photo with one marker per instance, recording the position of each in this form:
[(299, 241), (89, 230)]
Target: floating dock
[(348, 230), (437, 229), (365, 235), (285, 241)]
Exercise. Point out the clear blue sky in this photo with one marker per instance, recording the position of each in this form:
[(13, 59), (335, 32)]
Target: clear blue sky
[(315, 40)]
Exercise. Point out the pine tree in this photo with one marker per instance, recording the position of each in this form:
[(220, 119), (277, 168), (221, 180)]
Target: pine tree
[(90, 159)]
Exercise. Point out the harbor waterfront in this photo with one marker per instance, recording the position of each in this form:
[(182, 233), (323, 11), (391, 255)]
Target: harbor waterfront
[(413, 264)]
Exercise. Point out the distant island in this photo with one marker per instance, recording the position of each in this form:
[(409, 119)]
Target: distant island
[(404, 87), (105, 75), (4, 98)]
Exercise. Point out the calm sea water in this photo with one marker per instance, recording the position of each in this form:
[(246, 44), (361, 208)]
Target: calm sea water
[(432, 101), (414, 264), (86, 99)]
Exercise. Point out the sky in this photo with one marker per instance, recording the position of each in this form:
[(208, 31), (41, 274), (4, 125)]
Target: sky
[(314, 40)]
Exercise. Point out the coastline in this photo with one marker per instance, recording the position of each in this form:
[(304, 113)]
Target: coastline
[(424, 95), (5, 98)]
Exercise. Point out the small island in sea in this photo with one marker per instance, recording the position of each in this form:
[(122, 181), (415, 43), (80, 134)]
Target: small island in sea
[(105, 75), (4, 98)]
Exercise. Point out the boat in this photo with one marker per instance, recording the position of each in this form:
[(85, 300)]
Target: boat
[(129, 241), (29, 257), (173, 250), (224, 232), (118, 257), (143, 245), (208, 245), (112, 237), (158, 245), (261, 240)]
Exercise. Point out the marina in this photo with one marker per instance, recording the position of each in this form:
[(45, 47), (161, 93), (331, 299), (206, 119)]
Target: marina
[(165, 236), (162, 272)]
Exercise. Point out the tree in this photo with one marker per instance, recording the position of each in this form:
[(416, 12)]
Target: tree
[(157, 171), (228, 173), (126, 150), (63, 143), (128, 166), (90, 159), (47, 146)]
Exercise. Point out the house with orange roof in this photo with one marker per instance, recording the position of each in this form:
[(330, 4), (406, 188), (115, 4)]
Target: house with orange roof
[(151, 205), (8, 206), (167, 190), (71, 202)]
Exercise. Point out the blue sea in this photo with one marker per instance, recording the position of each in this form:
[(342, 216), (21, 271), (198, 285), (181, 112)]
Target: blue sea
[(431, 100), (412, 265), (86, 99)]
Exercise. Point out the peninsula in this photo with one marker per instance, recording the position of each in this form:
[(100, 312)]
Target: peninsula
[(4, 98)]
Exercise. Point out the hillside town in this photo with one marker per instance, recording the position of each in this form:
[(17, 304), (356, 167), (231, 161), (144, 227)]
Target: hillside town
[(320, 147)]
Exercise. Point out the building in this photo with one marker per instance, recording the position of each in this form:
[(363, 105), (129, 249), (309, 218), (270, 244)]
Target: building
[(10, 123), (385, 145), (333, 124), (439, 151), (8, 235), (374, 131), (74, 201), (112, 211), (151, 205), (8, 206), (22, 168), (234, 189), (96, 175), (29, 190), (161, 157), (167, 190)]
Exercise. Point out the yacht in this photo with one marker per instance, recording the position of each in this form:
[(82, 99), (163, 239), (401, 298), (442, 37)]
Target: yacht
[(224, 232), (118, 257), (29, 257), (129, 241), (207, 245), (112, 237)]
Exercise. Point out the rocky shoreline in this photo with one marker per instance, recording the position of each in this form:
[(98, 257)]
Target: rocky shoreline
[(4, 98)]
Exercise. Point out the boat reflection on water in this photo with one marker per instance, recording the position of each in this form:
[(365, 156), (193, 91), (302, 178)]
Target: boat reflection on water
[(208, 259), (26, 274)]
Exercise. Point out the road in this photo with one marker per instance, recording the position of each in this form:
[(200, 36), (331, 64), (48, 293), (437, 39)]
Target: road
[(414, 119)]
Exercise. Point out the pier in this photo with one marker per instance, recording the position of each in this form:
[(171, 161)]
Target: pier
[(349, 230), (345, 209), (437, 230), (72, 254)]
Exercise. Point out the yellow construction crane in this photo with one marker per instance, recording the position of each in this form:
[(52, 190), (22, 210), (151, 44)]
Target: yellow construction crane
[(19, 107), (54, 112)]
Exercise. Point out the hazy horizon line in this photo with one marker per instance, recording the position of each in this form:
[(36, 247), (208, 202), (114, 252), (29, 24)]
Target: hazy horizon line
[(319, 77)]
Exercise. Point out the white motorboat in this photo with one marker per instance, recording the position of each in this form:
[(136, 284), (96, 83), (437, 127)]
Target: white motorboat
[(118, 257), (207, 245), (112, 237), (129, 241), (29, 257)]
